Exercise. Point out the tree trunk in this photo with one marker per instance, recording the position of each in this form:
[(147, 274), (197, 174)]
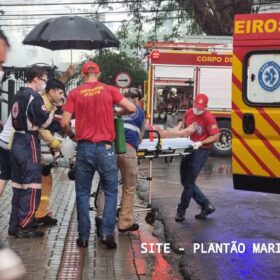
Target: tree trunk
[(215, 17)]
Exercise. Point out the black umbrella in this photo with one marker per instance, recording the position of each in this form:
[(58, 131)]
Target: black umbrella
[(71, 32)]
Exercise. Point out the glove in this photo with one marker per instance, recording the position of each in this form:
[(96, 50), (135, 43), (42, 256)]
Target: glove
[(196, 145), (67, 148), (55, 144)]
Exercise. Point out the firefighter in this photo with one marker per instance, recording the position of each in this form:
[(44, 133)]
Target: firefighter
[(205, 134), (28, 115), (91, 103)]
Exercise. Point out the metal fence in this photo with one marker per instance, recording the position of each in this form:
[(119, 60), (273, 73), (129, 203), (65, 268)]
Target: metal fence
[(14, 79)]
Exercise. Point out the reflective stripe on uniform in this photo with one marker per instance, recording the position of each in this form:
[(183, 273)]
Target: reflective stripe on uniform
[(132, 127)]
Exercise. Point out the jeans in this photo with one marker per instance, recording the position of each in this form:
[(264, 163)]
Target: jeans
[(127, 164), (190, 168), (92, 157)]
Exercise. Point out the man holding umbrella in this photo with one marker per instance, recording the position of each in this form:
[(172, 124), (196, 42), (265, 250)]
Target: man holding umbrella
[(92, 104)]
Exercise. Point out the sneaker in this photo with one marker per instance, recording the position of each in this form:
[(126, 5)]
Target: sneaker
[(133, 227), (11, 266), (180, 217), (205, 211), (46, 220)]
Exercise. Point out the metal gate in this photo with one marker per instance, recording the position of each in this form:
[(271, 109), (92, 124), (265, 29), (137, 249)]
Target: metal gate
[(14, 78)]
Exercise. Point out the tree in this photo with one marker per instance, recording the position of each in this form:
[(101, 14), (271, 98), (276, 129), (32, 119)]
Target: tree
[(211, 17), (215, 17), (112, 63)]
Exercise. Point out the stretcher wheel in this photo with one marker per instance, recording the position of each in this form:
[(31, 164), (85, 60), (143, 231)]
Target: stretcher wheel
[(151, 216)]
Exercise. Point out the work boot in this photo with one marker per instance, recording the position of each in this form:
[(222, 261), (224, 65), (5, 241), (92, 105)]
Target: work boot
[(28, 233), (180, 216), (82, 242), (109, 241), (205, 211), (11, 231)]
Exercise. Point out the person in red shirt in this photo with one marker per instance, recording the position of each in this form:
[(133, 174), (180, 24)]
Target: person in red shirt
[(92, 104), (205, 134)]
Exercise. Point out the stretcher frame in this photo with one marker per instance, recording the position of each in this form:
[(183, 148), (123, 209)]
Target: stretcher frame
[(150, 154)]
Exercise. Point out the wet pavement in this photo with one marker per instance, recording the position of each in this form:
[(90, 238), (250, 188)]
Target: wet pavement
[(247, 218), (56, 255), (41, 256)]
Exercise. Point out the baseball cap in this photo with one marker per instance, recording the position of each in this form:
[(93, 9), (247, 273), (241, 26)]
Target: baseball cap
[(201, 101), (90, 67)]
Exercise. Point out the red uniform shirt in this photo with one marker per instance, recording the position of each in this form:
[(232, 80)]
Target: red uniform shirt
[(206, 126), (92, 105)]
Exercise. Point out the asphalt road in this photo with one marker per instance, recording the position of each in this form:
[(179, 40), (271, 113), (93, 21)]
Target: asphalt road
[(247, 219)]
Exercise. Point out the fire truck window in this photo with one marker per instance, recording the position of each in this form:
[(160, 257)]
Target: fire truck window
[(263, 78), (169, 102)]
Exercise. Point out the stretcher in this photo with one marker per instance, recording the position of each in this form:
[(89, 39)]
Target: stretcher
[(159, 148), (150, 149)]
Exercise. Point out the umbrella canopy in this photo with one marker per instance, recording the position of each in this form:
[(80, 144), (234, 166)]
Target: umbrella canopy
[(71, 32)]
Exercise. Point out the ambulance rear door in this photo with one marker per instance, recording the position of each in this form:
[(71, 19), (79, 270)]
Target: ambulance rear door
[(256, 104)]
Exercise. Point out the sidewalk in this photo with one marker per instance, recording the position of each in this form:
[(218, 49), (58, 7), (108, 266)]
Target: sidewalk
[(56, 256)]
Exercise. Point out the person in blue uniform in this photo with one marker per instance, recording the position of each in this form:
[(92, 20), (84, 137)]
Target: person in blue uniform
[(134, 125), (11, 266), (28, 115)]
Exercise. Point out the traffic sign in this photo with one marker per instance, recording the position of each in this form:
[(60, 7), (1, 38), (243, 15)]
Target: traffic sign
[(123, 80)]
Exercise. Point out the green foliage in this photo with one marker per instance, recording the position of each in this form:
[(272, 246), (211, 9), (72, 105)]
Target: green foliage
[(112, 63), (152, 21)]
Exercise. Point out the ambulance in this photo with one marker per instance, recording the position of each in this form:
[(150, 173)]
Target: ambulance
[(179, 71), (256, 102)]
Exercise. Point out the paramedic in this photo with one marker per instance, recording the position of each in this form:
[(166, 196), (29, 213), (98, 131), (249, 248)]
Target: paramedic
[(28, 115)]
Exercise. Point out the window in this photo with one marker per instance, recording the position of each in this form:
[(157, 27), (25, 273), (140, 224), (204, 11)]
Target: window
[(262, 83)]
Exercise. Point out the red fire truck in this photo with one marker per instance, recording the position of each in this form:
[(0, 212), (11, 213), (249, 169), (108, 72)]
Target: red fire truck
[(178, 71)]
